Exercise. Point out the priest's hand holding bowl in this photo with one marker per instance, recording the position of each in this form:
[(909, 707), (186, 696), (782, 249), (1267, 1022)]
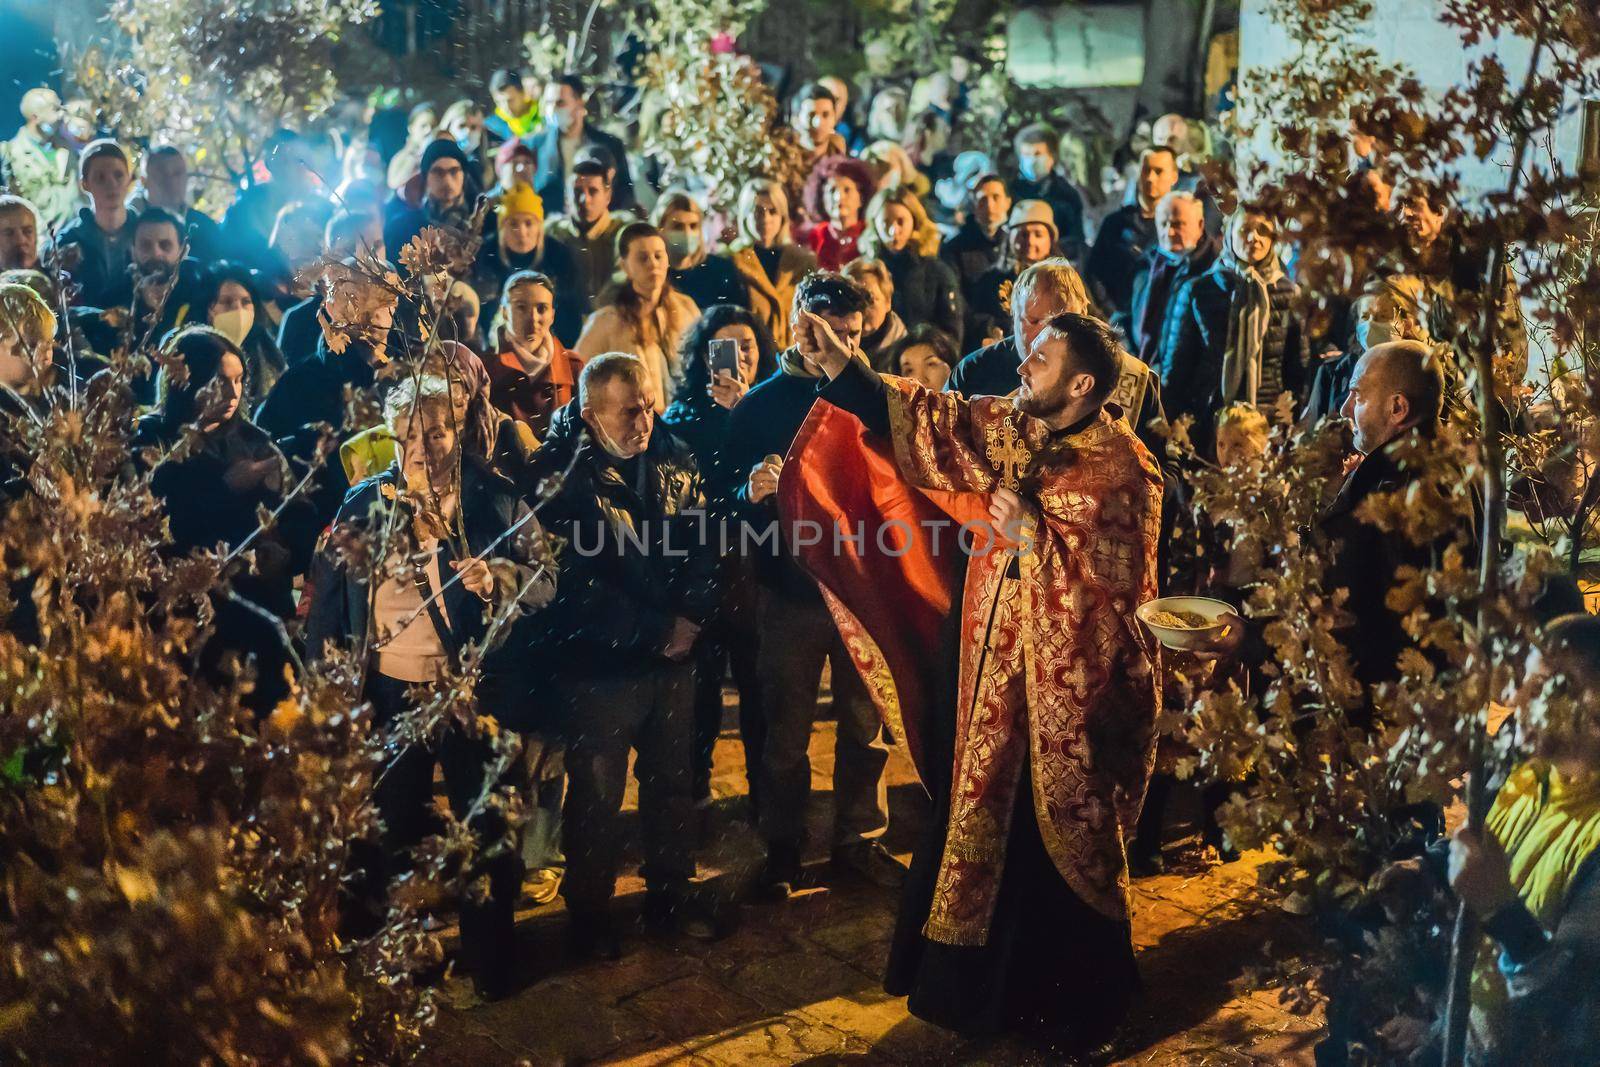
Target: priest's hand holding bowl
[(1223, 645), (1198, 628)]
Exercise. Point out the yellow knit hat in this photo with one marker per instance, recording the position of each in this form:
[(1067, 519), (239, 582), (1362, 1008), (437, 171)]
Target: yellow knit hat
[(520, 199)]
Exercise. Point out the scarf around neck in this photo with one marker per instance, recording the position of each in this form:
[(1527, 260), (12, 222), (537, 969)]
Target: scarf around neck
[(1250, 315)]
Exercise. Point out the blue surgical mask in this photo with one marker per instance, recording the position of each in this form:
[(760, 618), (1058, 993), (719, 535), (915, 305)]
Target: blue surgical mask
[(1369, 333), (1028, 167)]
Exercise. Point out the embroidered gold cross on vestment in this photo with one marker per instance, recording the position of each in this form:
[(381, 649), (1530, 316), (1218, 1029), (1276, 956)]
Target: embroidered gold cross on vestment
[(1009, 456)]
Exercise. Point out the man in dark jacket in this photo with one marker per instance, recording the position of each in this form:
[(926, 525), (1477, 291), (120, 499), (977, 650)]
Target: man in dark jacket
[(797, 633), (1182, 251), (1038, 152), (1395, 405), (165, 286), (567, 131), (102, 234), (448, 194), (638, 580), (977, 246), (1042, 292), (1126, 234), (166, 185)]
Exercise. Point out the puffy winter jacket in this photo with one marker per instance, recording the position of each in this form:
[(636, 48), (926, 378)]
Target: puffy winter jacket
[(1195, 338), (925, 291), (1152, 294)]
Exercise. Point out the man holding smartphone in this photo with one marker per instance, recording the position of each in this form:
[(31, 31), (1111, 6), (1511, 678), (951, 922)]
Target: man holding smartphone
[(798, 635)]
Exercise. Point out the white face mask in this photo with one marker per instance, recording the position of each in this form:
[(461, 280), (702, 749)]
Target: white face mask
[(235, 324), (1369, 333), (607, 443)]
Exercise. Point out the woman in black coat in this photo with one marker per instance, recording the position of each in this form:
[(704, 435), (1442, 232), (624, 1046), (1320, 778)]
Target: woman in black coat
[(1233, 335), (699, 417), (218, 471), (901, 237), (229, 301)]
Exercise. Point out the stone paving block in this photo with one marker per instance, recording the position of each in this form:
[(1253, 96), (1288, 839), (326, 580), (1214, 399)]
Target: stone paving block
[(784, 981), (1154, 918), (471, 1046), (776, 1041), (881, 1023), (692, 1006), (560, 1021), (861, 939), (748, 941), (654, 1056), (645, 966)]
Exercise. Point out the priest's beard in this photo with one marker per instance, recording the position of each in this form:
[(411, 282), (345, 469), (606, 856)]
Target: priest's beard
[(1048, 405)]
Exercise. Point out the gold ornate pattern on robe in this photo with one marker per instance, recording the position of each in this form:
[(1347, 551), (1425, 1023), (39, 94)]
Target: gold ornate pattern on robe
[(1133, 382), (989, 750), (1088, 694)]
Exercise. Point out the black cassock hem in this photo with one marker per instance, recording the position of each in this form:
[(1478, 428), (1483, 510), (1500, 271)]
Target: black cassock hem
[(1051, 962)]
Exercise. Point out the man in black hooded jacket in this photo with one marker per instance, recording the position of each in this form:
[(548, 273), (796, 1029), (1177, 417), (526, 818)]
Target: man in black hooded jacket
[(448, 193)]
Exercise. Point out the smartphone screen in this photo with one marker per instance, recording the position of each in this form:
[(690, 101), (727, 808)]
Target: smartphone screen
[(724, 356)]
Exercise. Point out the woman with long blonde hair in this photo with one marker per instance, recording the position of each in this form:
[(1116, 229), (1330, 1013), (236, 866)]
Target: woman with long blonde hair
[(901, 236), (767, 257)]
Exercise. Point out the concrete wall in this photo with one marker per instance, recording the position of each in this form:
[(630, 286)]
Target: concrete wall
[(1408, 32)]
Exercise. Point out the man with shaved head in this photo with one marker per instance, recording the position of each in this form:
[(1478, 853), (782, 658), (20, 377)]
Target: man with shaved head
[(1395, 404), (1396, 387), (1395, 407)]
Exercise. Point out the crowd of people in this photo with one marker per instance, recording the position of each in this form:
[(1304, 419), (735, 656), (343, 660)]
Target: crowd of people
[(636, 362)]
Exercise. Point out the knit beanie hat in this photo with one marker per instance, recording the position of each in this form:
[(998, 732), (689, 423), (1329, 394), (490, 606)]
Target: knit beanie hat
[(520, 199), (443, 148)]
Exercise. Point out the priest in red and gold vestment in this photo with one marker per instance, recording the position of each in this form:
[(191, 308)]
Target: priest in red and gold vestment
[(1037, 746)]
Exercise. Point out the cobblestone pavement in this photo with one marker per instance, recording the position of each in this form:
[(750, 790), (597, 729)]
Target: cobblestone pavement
[(799, 982)]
